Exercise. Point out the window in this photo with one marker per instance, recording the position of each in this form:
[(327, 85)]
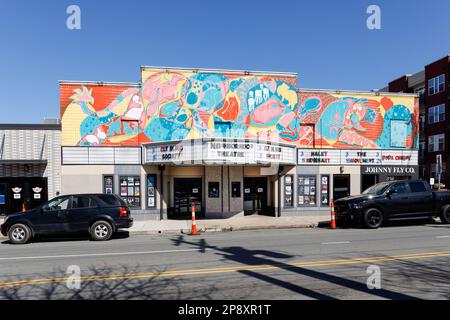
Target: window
[(213, 189), (108, 184), (235, 189), (83, 202), (288, 191), (111, 200), (417, 187), (130, 190), (400, 187), (436, 85), (151, 191), (57, 204), (436, 114), (306, 190), (436, 143)]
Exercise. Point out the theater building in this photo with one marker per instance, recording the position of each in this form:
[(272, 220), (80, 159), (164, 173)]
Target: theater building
[(232, 142), (30, 165)]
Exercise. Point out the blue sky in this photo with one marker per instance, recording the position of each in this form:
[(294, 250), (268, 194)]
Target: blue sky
[(326, 42)]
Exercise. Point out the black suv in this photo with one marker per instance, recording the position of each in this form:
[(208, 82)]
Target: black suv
[(99, 214)]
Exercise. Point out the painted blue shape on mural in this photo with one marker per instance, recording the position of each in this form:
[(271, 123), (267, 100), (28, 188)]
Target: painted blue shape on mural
[(235, 84), (114, 128), (160, 129), (209, 77), (90, 124), (192, 98), (397, 112), (371, 116), (311, 105), (169, 109), (331, 122)]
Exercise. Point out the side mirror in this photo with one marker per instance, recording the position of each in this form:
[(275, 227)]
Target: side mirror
[(390, 192)]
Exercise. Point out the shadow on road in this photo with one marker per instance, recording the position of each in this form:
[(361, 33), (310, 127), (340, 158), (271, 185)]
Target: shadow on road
[(125, 286), (265, 258)]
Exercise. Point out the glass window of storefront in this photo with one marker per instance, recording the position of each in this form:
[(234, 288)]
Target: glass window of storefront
[(325, 190), (130, 190), (307, 191)]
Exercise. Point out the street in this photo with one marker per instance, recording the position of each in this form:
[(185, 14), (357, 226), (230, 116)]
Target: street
[(316, 263)]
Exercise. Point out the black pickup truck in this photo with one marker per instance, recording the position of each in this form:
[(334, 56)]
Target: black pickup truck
[(393, 200)]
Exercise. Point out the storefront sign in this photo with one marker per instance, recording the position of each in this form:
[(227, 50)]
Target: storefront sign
[(228, 151), (389, 170), (357, 157), (316, 156)]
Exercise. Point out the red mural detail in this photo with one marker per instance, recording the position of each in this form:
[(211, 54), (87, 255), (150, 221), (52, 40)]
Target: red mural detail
[(386, 103), (230, 110)]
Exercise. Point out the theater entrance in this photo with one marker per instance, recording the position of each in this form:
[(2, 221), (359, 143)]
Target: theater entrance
[(341, 186), (255, 195), (186, 191), (19, 193)]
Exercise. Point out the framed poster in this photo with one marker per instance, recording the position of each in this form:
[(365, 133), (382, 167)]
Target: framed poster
[(236, 189), (151, 191), (108, 184), (288, 194), (213, 189), (306, 190), (324, 190)]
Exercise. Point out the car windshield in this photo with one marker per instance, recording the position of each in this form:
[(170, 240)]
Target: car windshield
[(377, 189)]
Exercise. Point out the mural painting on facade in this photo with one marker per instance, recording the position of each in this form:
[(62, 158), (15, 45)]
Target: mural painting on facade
[(176, 105)]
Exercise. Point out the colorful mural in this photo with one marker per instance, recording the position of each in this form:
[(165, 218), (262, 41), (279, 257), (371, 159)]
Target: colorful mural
[(173, 105)]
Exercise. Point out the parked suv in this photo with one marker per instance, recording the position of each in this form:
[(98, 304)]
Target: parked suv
[(99, 214), (395, 200)]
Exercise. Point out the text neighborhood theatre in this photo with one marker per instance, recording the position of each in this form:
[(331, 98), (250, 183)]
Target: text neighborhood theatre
[(232, 142)]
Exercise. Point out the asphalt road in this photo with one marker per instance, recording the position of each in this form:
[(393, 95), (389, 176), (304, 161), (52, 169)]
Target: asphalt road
[(267, 264)]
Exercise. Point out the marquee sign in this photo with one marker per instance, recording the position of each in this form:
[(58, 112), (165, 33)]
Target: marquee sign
[(218, 151), (357, 157)]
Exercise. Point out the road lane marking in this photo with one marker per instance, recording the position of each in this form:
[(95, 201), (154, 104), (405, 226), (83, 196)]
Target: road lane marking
[(193, 272), (442, 237), (97, 254), (336, 242)]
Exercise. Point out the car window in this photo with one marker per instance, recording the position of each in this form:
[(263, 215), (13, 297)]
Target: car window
[(400, 187), (83, 202), (417, 186), (57, 204), (111, 200)]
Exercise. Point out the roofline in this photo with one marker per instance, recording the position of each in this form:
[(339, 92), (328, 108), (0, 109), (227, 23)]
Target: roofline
[(100, 83), (446, 56), (291, 74), (403, 76), (375, 92), (30, 126)]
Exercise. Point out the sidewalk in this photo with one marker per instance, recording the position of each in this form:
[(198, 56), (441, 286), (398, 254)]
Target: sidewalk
[(253, 222)]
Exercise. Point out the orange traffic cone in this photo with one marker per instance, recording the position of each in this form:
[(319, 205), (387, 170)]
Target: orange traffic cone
[(333, 218), (24, 208), (194, 225)]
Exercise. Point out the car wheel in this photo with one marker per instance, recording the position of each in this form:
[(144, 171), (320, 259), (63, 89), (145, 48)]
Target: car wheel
[(101, 231), (445, 215), (373, 218), (19, 234)]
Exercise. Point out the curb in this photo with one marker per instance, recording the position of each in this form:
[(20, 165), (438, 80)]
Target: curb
[(220, 229)]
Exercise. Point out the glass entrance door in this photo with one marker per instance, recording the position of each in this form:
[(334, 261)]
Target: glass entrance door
[(186, 191), (255, 195), (341, 186)]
